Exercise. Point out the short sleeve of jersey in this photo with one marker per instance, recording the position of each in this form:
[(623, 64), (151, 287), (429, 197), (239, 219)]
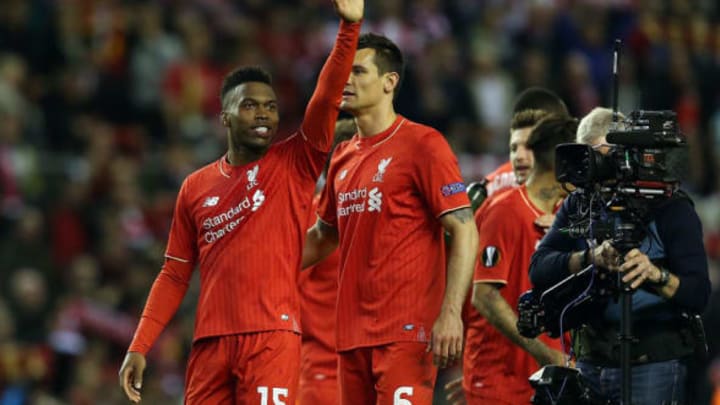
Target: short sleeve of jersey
[(181, 242), (326, 207), (497, 234), (439, 176)]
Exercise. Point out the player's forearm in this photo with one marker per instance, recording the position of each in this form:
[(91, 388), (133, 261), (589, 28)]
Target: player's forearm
[(336, 70), (462, 253), (322, 110), (163, 301), (319, 243), (488, 301)]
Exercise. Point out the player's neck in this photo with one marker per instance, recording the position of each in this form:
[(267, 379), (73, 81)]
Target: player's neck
[(544, 191), (375, 120), (238, 155)]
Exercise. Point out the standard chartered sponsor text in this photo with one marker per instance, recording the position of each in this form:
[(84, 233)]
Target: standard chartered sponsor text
[(220, 225), (356, 201), (358, 193)]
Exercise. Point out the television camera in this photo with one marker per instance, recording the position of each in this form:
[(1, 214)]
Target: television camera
[(617, 190), (617, 186)]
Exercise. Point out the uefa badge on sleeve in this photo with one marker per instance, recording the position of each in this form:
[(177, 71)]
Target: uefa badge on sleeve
[(451, 189)]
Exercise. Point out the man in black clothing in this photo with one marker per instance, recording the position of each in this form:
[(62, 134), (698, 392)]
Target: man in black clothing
[(669, 274)]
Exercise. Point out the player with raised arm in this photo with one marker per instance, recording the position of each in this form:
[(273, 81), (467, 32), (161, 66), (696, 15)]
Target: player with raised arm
[(242, 221)]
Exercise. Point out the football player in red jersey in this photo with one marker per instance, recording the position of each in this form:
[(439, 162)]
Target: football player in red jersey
[(242, 221), (498, 361), (515, 171), (391, 191)]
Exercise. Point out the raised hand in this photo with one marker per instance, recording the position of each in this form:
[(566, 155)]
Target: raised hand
[(349, 10)]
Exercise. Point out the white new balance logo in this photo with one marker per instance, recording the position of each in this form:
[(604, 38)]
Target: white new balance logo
[(374, 200), (211, 201)]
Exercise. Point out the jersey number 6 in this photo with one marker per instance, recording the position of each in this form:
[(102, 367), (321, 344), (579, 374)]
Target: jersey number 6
[(402, 391)]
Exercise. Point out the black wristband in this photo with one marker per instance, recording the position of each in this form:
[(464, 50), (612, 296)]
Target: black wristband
[(664, 277)]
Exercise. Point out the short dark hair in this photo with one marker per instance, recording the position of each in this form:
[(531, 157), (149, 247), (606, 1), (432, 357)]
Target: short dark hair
[(388, 57), (540, 98), (243, 75), (549, 133), (527, 118)]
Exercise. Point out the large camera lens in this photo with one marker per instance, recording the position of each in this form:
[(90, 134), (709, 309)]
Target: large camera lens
[(580, 165)]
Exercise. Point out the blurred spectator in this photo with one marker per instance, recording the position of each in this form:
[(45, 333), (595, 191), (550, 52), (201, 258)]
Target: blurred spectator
[(154, 51), (190, 84), (19, 177), (26, 246), (31, 304)]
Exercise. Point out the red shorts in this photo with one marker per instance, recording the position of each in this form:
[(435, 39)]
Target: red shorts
[(248, 368), (319, 392), (387, 374), (318, 375)]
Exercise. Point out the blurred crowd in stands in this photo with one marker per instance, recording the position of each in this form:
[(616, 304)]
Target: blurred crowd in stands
[(105, 106)]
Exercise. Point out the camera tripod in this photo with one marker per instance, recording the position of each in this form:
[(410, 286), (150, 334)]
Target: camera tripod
[(627, 237)]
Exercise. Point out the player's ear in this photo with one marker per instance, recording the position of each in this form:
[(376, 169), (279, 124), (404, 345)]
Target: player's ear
[(390, 81), (224, 119)]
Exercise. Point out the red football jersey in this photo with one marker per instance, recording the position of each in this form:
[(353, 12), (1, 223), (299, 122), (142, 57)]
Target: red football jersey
[(494, 366), (318, 296), (244, 226), (385, 197), (503, 178)]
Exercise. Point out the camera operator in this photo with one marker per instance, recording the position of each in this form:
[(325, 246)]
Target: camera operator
[(668, 273)]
